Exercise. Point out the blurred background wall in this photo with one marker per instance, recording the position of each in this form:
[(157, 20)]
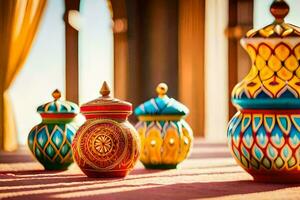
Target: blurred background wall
[(192, 45)]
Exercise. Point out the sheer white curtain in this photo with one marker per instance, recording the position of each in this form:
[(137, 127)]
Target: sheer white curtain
[(95, 49)]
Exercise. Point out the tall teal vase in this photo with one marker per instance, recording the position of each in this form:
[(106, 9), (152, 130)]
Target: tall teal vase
[(264, 135)]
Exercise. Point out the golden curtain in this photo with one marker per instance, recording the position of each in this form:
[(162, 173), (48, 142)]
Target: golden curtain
[(19, 20)]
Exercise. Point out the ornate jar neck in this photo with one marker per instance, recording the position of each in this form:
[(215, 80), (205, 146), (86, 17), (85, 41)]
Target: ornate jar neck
[(274, 78)]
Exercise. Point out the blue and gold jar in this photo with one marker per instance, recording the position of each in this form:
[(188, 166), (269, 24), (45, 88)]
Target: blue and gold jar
[(50, 141), (264, 135), (166, 138)]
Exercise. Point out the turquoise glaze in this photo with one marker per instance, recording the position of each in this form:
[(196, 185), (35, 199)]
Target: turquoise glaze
[(264, 135), (161, 106), (50, 141)]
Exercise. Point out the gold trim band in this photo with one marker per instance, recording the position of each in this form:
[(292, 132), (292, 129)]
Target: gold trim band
[(160, 117)]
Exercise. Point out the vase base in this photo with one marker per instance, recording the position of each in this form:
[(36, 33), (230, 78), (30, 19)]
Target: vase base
[(291, 178), (108, 174), (54, 167), (160, 166)]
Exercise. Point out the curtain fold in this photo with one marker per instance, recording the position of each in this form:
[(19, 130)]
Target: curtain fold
[(19, 20)]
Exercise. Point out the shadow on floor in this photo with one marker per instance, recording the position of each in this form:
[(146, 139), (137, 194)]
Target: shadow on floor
[(15, 157), (197, 155), (50, 179), (143, 184), (172, 191)]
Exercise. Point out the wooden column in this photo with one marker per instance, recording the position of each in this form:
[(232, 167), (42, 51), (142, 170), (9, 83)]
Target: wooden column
[(121, 68), (191, 60), (153, 47), (134, 84), (240, 21), (146, 49), (159, 46), (72, 86), (232, 55)]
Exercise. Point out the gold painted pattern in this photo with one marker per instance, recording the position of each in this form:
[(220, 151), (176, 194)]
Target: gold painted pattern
[(106, 145), (68, 157), (164, 145), (103, 144), (274, 70), (160, 117), (93, 129)]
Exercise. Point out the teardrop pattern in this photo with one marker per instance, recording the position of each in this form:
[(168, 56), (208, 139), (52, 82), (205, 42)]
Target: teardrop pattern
[(269, 142), (51, 144), (164, 143)]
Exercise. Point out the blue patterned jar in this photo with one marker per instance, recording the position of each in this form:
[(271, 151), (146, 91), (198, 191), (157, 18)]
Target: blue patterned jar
[(50, 141), (264, 135)]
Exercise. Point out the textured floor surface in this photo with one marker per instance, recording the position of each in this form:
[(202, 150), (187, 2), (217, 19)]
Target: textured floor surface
[(209, 173)]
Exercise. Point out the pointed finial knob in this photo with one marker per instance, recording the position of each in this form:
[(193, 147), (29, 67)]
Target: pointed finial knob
[(162, 89), (56, 94), (279, 10), (105, 91)]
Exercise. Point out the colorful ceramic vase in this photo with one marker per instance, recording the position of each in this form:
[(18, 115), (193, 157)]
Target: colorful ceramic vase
[(166, 138), (264, 135), (50, 141), (106, 145)]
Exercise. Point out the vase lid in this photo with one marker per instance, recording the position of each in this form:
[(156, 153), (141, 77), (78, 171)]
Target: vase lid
[(278, 29), (162, 105), (56, 107), (106, 106)]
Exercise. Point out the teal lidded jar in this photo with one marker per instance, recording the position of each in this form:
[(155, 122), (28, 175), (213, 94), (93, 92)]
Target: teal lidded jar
[(166, 138), (50, 141)]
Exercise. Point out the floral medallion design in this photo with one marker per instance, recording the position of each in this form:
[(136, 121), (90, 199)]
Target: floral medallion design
[(103, 144)]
